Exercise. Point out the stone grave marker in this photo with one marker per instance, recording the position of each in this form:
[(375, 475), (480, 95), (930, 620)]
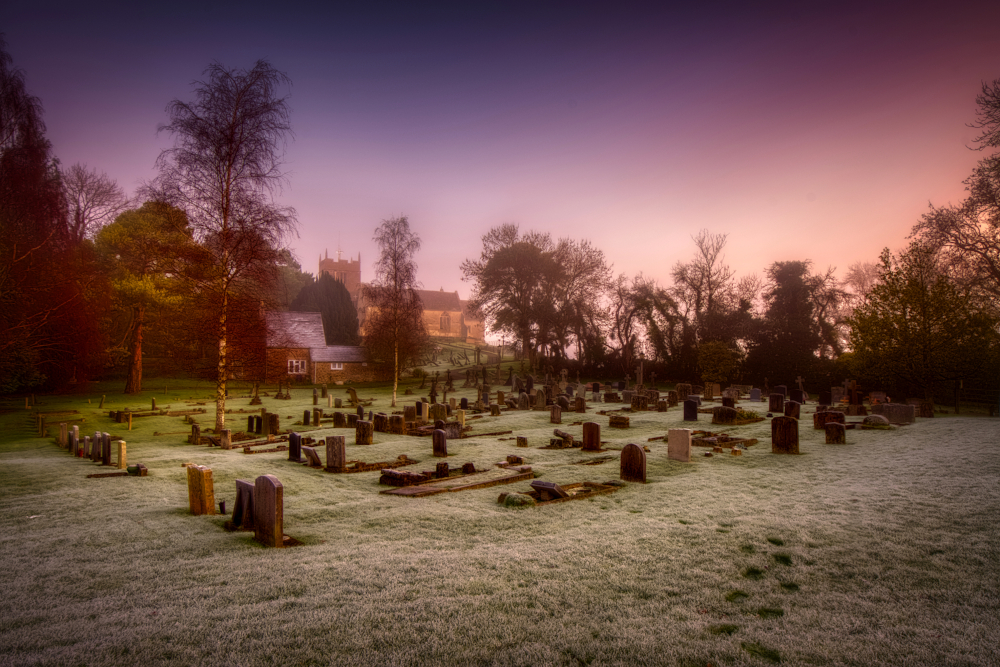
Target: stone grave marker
[(312, 458), (776, 402), (896, 413), (201, 490), (548, 490), (522, 441), (780, 389), (821, 419), (122, 464), (269, 511), (683, 390), (336, 453), (784, 435), (755, 394), (105, 449), (339, 420), (639, 403), (690, 411), (724, 415), (792, 409), (798, 396), (729, 401), (825, 398), (364, 432), (836, 395), (381, 422), (874, 421), (352, 420), (555, 415), (836, 433), (633, 464), (679, 444), (696, 398), (522, 401), (295, 447), (673, 398), (618, 421), (591, 437), (439, 441), (243, 509)]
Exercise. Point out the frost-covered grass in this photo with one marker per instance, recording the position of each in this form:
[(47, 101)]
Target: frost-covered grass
[(883, 551)]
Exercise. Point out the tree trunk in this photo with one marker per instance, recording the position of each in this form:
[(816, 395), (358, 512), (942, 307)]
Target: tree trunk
[(395, 371), (133, 382), (220, 382)]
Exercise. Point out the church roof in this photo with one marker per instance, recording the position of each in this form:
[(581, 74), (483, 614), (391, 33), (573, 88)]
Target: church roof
[(338, 353), (439, 300)]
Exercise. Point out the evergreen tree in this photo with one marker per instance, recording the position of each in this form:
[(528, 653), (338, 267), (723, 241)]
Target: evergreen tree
[(330, 298)]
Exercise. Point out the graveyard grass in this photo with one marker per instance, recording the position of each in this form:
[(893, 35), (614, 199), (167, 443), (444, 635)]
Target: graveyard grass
[(882, 551)]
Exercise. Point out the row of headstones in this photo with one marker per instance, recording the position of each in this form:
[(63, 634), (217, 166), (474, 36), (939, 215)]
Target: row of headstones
[(259, 505), (96, 448)]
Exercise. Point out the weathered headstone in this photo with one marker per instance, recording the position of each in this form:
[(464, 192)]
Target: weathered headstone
[(690, 411), (201, 490), (792, 409), (269, 511), (639, 403), (312, 458), (439, 442), (724, 415), (540, 400), (195, 435), (780, 389), (106, 450), (729, 401), (821, 419), (618, 421), (522, 441), (336, 452), (673, 398), (679, 444), (836, 434), (338, 402), (464, 403), (776, 402), (243, 509), (683, 390), (364, 432), (591, 437), (339, 420), (122, 463), (555, 414), (381, 422), (784, 435), (315, 397), (548, 490), (798, 396), (633, 464), (522, 401), (755, 394)]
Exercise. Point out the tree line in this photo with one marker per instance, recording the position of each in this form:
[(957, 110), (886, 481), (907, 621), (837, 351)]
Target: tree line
[(92, 280)]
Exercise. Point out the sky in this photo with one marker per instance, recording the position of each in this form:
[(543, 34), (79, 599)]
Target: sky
[(817, 131)]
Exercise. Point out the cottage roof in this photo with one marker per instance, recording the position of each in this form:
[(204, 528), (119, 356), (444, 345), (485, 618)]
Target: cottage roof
[(338, 353), (440, 300), (295, 330)]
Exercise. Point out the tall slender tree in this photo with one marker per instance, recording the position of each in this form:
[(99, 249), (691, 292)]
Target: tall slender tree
[(394, 324), (224, 171)]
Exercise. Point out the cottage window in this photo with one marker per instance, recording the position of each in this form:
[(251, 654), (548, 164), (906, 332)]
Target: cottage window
[(336, 367), (296, 366)]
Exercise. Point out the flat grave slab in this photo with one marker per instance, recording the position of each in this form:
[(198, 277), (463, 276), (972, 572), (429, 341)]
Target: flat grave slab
[(476, 480), (709, 439), (578, 491)]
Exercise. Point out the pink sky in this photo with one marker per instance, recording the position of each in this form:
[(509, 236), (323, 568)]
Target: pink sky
[(802, 133)]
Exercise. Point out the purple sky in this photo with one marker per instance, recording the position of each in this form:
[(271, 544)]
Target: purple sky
[(803, 133)]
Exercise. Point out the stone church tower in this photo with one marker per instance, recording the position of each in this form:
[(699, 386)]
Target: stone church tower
[(347, 271)]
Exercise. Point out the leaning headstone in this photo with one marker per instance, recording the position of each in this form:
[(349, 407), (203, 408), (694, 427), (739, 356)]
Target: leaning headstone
[(679, 444), (548, 490), (439, 441), (591, 437), (633, 464), (312, 458), (269, 511), (295, 447), (201, 490), (690, 411), (336, 453), (364, 432), (836, 434), (784, 435), (792, 409), (776, 402), (243, 510)]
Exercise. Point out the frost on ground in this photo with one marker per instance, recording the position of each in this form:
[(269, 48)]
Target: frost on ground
[(882, 551)]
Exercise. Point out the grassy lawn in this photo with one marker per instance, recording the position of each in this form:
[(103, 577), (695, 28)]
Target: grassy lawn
[(883, 551)]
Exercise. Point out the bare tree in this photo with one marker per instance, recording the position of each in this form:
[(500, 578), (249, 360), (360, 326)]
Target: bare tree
[(93, 200), (704, 285), (224, 171), (394, 314)]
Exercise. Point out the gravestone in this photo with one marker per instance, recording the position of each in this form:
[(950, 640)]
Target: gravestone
[(195, 435), (201, 491), (338, 402), (317, 416), (724, 415), (329, 401), (464, 403), (679, 444), (410, 413), (269, 511), (874, 421), (728, 401), (336, 452), (323, 391), (836, 434), (618, 421), (683, 390), (250, 424), (776, 402), (494, 410), (798, 396), (522, 401), (381, 422), (540, 400), (361, 412), (258, 424), (690, 411), (627, 396), (122, 464), (555, 415), (591, 437), (436, 412), (633, 464), (792, 409), (439, 441), (896, 413), (661, 406), (673, 398), (312, 458), (825, 398), (315, 397), (784, 435), (243, 509), (339, 420), (460, 418), (364, 432), (580, 404), (563, 403), (821, 419), (709, 391), (696, 398), (522, 441), (639, 403), (780, 389), (295, 447), (106, 449), (305, 417), (548, 490), (755, 394), (397, 425), (63, 435)]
